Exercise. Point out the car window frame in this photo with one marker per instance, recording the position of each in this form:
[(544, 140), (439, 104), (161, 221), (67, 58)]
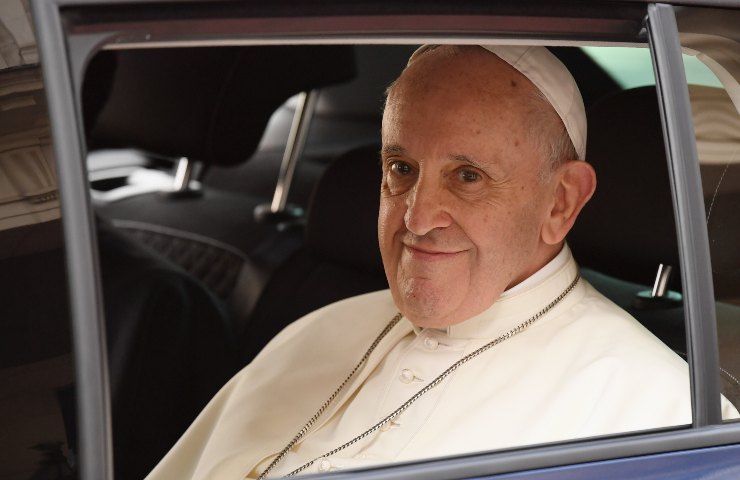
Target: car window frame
[(83, 270), (688, 204), (67, 37)]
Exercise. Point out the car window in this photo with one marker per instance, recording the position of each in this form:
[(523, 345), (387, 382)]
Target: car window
[(37, 396), (177, 231), (716, 119), (717, 126), (195, 284), (632, 67)]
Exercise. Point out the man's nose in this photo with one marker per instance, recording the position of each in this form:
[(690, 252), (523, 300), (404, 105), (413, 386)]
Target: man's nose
[(426, 209)]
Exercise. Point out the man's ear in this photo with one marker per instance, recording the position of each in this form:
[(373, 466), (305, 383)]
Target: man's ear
[(575, 184)]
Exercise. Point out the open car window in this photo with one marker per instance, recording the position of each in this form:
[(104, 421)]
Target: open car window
[(196, 271), (184, 226)]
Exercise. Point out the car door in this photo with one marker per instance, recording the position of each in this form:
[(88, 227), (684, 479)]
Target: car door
[(70, 32)]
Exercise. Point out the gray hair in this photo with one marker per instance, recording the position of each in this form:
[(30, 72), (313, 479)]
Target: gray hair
[(551, 138)]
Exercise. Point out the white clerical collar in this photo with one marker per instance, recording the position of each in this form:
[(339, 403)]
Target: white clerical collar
[(524, 300)]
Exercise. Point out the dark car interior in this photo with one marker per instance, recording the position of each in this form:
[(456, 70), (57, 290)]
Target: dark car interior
[(199, 270)]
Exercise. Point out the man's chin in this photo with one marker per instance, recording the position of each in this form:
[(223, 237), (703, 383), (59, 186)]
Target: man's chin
[(438, 311), (429, 302), (430, 314)]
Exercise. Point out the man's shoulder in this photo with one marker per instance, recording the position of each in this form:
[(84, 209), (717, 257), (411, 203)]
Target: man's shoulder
[(346, 321), (603, 350), (309, 358), (613, 329)]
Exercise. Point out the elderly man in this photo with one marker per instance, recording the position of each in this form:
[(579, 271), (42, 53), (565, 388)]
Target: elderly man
[(487, 338)]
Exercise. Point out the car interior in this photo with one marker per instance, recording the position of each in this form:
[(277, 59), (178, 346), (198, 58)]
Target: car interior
[(235, 190), (323, 247)]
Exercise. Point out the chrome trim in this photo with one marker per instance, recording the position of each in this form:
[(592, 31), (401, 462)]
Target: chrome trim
[(297, 137), (660, 287), (183, 175)]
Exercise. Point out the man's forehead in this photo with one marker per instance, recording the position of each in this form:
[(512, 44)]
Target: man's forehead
[(458, 67), (454, 86), (537, 65)]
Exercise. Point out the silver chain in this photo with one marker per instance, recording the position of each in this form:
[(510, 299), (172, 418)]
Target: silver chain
[(514, 331), (329, 401)]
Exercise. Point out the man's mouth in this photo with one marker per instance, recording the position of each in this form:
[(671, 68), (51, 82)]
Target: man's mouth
[(430, 254)]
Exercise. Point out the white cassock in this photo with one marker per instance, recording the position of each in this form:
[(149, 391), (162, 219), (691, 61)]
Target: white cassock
[(586, 368)]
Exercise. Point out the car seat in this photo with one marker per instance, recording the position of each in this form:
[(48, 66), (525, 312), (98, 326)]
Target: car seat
[(627, 230), (340, 258), (169, 344), (215, 117)]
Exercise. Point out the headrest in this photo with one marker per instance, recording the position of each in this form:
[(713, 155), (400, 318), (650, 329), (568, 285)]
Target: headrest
[(627, 228), (342, 224), (210, 104)]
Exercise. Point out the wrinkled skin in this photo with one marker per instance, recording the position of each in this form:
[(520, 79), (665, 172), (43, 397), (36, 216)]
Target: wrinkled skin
[(464, 211)]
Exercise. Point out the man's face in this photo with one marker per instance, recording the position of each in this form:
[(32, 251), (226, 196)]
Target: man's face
[(462, 203)]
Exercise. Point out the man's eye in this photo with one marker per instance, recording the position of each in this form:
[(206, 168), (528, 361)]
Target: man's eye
[(468, 176), (400, 168)]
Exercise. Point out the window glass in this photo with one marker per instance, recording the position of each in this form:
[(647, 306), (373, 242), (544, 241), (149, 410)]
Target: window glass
[(37, 401), (202, 244), (632, 67), (712, 38)]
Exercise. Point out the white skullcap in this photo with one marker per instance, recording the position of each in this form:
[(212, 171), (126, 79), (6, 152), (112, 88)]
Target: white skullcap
[(552, 78)]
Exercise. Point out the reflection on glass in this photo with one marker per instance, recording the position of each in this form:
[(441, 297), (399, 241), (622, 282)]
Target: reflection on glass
[(717, 127), (37, 406), (36, 367)]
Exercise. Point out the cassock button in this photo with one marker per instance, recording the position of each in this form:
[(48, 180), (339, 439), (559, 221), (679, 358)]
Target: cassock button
[(324, 465), (407, 376), (431, 343)]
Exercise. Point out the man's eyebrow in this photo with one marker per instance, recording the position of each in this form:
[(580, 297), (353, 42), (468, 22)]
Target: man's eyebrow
[(466, 159), (394, 149)]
